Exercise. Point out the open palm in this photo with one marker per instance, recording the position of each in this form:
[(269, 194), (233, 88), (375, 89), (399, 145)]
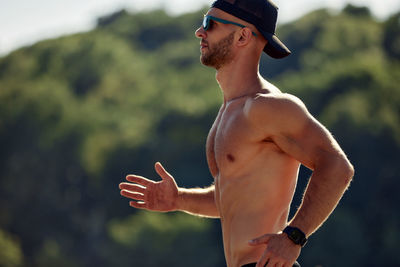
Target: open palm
[(151, 195)]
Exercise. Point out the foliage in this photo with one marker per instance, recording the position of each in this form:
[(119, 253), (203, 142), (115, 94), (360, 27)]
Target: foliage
[(391, 39), (79, 112), (10, 251), (152, 239)]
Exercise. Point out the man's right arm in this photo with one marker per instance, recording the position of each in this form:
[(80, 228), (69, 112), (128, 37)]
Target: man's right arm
[(198, 201), (166, 196)]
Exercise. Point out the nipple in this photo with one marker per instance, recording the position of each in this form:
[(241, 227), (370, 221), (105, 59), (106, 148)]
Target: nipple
[(230, 158)]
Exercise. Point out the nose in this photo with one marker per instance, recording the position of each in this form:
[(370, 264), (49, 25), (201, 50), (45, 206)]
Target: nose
[(200, 32)]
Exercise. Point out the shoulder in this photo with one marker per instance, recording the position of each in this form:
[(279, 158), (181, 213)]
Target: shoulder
[(269, 107)]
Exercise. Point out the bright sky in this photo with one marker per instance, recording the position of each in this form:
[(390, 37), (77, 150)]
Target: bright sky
[(24, 22)]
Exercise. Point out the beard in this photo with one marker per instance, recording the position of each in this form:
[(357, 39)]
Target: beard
[(220, 54)]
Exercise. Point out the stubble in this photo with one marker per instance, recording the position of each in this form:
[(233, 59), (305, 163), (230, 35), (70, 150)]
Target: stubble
[(219, 54)]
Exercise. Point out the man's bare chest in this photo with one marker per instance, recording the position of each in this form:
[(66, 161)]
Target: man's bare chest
[(230, 140)]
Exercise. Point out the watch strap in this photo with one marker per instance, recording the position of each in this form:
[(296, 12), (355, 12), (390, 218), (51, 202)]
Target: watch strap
[(296, 235)]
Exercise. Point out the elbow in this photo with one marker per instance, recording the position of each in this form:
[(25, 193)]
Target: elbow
[(346, 169), (351, 170), (339, 168)]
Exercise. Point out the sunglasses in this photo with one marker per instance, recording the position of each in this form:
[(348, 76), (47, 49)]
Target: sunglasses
[(209, 20)]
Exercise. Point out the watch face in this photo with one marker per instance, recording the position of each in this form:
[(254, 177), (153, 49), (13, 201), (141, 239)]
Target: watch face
[(296, 236)]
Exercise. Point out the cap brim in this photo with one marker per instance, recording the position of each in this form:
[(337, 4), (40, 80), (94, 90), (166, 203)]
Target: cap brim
[(275, 48)]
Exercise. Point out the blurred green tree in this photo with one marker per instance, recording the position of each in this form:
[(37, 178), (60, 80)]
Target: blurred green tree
[(10, 251), (78, 113), (391, 39)]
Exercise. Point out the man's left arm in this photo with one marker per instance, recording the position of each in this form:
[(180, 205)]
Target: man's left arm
[(301, 136)]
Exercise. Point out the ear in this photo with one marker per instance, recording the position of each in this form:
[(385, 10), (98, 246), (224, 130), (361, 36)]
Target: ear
[(245, 36)]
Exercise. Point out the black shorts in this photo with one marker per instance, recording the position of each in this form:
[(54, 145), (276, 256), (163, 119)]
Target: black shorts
[(296, 264)]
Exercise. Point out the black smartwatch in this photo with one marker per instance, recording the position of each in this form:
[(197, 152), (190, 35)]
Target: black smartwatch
[(296, 235)]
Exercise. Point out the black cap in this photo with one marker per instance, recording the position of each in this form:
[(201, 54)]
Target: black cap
[(263, 15)]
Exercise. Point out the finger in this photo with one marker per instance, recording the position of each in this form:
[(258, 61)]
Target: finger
[(263, 263), (267, 260), (138, 205), (290, 264), (260, 240), (162, 172), (272, 263), (132, 187), (132, 195), (139, 180)]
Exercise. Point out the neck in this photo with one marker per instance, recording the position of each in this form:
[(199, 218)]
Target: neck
[(239, 79)]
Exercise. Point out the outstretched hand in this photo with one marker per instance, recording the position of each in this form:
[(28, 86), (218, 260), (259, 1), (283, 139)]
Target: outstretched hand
[(280, 250), (151, 195)]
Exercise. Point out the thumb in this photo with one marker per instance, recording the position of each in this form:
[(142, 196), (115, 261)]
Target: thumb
[(260, 240), (162, 172)]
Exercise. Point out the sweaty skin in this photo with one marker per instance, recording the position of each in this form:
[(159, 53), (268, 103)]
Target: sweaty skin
[(254, 149)]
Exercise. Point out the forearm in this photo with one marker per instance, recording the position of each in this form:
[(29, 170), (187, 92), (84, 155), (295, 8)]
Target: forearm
[(324, 191), (198, 201)]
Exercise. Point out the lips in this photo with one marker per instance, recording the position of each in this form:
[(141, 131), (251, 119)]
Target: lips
[(203, 44)]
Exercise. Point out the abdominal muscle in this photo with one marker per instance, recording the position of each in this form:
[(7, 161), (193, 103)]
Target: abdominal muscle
[(254, 183), (253, 203)]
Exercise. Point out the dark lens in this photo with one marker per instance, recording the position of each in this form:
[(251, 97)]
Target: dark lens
[(206, 22), (210, 24)]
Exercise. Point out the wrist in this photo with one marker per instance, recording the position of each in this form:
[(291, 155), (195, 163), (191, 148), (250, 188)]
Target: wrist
[(180, 199), (296, 235)]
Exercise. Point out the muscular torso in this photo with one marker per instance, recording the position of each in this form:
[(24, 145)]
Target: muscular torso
[(254, 181)]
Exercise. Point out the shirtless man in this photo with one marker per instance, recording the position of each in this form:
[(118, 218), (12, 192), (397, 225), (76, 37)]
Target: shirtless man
[(254, 148)]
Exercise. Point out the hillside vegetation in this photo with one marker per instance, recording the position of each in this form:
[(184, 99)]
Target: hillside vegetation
[(80, 112)]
